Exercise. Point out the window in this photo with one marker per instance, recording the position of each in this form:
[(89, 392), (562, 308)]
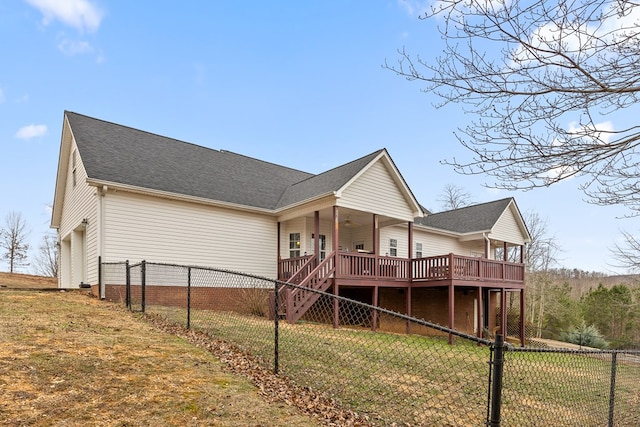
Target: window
[(393, 247), (418, 250), (294, 245), (358, 246), (323, 245), (73, 168)]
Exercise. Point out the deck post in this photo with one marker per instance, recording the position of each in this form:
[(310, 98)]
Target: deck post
[(374, 312), (408, 307), (336, 306), (522, 323), (480, 313), (503, 312), (451, 310)]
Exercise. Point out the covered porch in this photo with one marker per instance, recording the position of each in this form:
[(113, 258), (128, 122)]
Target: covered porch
[(349, 267)]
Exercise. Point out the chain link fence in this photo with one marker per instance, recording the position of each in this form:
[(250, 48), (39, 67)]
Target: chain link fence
[(395, 369)]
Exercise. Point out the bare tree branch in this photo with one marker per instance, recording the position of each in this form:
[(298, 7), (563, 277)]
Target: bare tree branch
[(546, 83), (454, 197)]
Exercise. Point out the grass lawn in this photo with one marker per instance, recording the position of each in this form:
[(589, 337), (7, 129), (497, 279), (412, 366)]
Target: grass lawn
[(69, 359), (422, 380)]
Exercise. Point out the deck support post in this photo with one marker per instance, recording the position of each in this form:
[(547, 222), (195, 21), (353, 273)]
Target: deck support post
[(336, 307), (480, 313), (408, 307), (503, 312), (451, 310), (374, 312), (336, 245), (522, 323)]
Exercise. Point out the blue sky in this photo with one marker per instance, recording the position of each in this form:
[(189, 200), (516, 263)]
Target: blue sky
[(295, 83)]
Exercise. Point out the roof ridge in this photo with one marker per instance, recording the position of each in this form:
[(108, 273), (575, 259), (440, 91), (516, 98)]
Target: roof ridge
[(264, 161), (142, 131), (338, 167), (474, 205)]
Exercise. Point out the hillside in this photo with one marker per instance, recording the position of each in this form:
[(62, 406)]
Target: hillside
[(26, 281)]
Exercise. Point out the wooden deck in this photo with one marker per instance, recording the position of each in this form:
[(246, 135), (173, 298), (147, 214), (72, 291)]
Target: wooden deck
[(443, 270)]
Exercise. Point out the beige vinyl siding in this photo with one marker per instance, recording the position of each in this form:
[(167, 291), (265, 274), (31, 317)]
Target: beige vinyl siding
[(400, 234), (375, 191), (350, 236), (507, 229), (436, 244), (79, 203), (154, 229)]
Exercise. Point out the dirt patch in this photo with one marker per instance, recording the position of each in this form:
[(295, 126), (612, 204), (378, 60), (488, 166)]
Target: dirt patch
[(26, 281), (70, 359)]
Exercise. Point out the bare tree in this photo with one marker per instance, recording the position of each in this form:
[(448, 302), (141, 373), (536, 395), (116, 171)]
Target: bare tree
[(13, 239), (627, 253), (46, 261), (545, 83), (454, 197), (541, 256)]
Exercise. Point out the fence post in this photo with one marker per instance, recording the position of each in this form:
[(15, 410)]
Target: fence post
[(143, 283), (612, 387), (189, 298), (496, 383), (128, 285), (276, 304)]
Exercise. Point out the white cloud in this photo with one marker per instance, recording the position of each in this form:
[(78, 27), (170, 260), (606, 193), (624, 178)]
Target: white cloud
[(79, 14), (415, 7), (1, 96), (31, 131), (74, 47)]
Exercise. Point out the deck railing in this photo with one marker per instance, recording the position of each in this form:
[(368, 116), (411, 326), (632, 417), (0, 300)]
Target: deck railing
[(466, 268), (353, 265), (366, 266)]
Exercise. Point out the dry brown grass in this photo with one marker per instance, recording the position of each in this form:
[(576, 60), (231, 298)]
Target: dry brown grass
[(69, 359), (26, 281)]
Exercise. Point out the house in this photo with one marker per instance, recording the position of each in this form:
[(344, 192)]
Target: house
[(126, 194)]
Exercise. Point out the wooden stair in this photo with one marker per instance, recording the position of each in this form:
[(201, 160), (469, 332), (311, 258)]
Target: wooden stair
[(298, 300)]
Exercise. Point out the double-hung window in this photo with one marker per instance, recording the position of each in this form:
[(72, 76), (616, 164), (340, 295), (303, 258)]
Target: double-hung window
[(393, 247), (294, 245)]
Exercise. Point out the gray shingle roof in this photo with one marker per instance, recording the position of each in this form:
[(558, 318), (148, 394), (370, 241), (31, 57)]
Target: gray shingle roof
[(476, 218), (120, 154), (331, 180)]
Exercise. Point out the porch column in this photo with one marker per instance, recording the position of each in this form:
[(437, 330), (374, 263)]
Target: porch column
[(278, 242), (409, 275), (376, 235), (316, 234), (480, 313), (335, 238), (522, 319), (503, 312), (451, 310), (505, 255), (410, 240), (374, 312), (521, 254)]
